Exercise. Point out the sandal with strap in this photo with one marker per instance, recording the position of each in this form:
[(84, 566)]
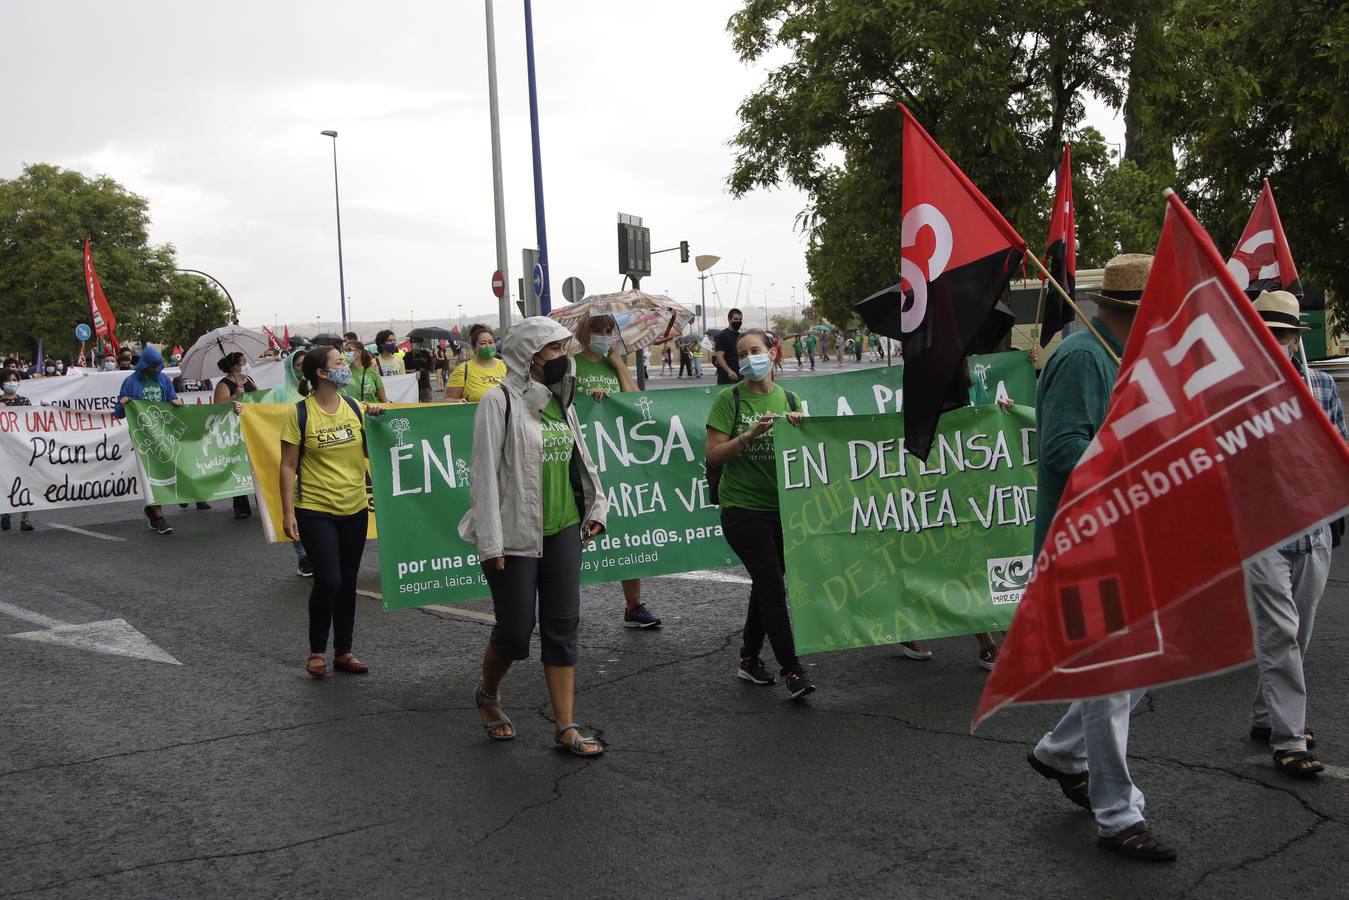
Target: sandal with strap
[(1073, 784), (577, 746), (317, 666), (1298, 763), (491, 703), (1139, 842)]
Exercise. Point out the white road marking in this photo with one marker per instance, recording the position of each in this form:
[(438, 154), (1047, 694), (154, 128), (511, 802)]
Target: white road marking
[(727, 577), (83, 531), (114, 637), (452, 610), (1267, 762)]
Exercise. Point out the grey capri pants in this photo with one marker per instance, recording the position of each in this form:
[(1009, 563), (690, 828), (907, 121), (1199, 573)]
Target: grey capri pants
[(555, 579)]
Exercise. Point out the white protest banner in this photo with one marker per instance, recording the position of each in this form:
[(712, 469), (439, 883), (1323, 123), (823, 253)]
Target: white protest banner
[(52, 458)]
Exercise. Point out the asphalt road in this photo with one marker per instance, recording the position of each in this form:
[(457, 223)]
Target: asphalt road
[(234, 773)]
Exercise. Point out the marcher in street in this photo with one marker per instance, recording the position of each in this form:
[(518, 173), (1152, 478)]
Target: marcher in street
[(367, 385), (418, 362), (10, 382), (481, 372), (148, 383), (390, 363), (797, 347), (536, 501), (685, 358), (324, 503), (1085, 753), (600, 371), (740, 443), (1285, 585), (230, 388), (726, 355), (812, 342)]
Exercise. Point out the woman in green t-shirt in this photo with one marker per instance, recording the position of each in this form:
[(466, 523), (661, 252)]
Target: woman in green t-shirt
[(367, 385), (600, 371), (739, 439)]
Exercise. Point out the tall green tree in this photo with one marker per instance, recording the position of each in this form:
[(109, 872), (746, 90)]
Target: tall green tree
[(45, 215), (194, 306), (1262, 91), (1000, 84)]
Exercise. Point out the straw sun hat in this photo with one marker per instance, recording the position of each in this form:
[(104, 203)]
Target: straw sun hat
[(1280, 311), (1123, 281)]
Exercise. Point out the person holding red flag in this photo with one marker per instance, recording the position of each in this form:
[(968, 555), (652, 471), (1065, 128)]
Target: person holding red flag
[(1085, 753), (1285, 586)]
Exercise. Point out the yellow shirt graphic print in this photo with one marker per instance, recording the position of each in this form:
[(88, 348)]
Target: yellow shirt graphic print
[(332, 469)]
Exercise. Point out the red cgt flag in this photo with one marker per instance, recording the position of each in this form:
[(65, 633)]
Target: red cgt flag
[(1061, 255), (1262, 260), (1140, 579), (105, 323), (273, 342), (958, 253)]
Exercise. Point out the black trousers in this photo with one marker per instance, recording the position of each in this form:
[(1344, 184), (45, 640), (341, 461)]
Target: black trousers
[(242, 505), (685, 365), (334, 545), (756, 537), (553, 581)]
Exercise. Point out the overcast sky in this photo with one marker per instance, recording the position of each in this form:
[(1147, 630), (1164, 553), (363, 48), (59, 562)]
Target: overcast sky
[(213, 112)]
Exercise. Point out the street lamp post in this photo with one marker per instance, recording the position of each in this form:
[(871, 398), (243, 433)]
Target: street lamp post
[(337, 199), (704, 262), (766, 323), (234, 310)]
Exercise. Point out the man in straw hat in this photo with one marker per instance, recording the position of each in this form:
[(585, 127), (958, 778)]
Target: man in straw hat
[(1285, 585), (1085, 753)]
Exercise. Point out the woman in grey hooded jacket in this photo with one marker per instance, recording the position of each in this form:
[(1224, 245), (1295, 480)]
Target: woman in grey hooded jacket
[(536, 501)]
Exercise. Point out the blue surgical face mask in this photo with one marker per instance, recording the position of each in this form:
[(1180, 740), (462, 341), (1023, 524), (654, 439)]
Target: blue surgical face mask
[(11, 387), (756, 367), (340, 376), (601, 344)]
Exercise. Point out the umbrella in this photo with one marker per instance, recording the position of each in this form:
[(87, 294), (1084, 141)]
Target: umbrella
[(328, 338), (821, 328), (431, 333), (298, 341), (200, 361), (643, 319)]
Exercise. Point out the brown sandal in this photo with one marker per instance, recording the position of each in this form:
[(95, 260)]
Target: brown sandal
[(349, 663), (318, 665)]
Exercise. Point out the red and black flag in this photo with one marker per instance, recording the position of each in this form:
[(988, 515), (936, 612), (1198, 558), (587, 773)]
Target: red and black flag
[(958, 254), (1061, 256), (1262, 260)]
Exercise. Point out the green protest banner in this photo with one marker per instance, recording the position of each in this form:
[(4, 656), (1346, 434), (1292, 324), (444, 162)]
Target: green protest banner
[(649, 450), (647, 447), (190, 453), (881, 547)]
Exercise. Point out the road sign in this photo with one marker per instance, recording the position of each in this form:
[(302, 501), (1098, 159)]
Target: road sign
[(82, 332), (498, 283), (538, 280), (573, 289)]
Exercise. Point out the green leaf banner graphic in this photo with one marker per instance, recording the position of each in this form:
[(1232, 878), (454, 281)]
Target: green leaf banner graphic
[(190, 453), (881, 547)]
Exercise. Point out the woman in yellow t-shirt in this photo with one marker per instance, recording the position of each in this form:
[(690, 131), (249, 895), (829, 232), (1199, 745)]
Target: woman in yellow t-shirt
[(323, 501), (482, 372)]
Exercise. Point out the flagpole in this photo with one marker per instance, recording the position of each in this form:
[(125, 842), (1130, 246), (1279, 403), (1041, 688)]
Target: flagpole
[(1064, 294), (1039, 312)]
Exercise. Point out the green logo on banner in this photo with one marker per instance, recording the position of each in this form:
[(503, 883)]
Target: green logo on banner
[(190, 453)]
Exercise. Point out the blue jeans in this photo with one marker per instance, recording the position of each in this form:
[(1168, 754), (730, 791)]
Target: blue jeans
[(1093, 737)]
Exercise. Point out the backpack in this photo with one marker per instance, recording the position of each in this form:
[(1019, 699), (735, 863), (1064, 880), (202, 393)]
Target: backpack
[(302, 420), (714, 472)]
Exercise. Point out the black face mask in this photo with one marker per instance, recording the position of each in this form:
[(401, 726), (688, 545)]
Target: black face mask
[(735, 325), (554, 369)]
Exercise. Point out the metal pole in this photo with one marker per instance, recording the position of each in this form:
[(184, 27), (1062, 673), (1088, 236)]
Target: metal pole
[(498, 200), (234, 311), (545, 301), (337, 199), (702, 284)]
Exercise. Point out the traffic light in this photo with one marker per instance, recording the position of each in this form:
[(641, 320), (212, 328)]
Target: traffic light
[(683, 251)]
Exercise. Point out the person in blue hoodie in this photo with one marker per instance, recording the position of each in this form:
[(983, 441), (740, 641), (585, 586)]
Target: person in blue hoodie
[(149, 382)]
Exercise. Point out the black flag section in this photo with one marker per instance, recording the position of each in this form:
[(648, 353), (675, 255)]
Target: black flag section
[(1057, 311)]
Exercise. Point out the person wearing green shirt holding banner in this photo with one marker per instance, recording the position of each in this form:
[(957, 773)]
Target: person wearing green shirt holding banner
[(367, 385), (740, 449), (600, 371), (536, 502)]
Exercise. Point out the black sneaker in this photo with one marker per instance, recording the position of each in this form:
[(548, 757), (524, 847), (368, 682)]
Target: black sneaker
[(25, 525), (162, 526), (798, 685), (640, 617), (754, 671), (304, 568), (201, 505)]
